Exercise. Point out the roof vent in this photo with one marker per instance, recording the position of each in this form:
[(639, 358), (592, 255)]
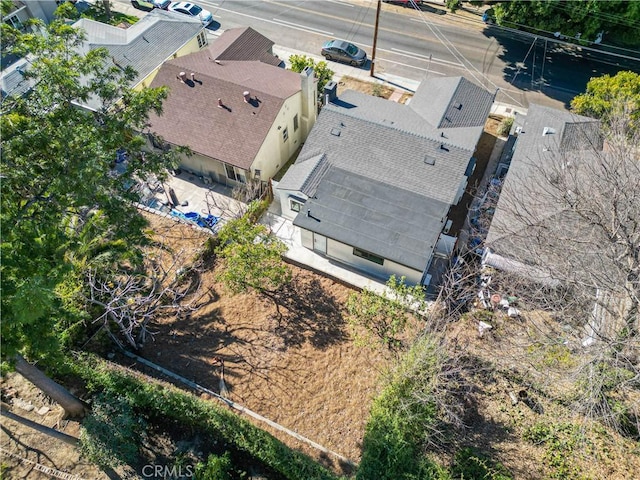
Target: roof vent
[(429, 160), (442, 147), (247, 96), (336, 132), (182, 77), (458, 106), (548, 131)]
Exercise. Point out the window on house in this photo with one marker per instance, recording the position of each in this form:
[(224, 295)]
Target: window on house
[(15, 22), (295, 205), (202, 39), (231, 173), (368, 256), (285, 134), (295, 123)]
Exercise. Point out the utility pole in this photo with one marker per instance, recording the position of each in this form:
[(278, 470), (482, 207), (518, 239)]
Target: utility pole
[(375, 39)]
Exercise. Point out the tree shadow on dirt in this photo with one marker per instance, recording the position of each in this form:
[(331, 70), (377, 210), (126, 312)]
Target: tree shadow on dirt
[(312, 314)]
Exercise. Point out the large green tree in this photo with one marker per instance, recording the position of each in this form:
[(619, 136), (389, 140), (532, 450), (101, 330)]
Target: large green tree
[(252, 258), (60, 167), (608, 97), (618, 20)]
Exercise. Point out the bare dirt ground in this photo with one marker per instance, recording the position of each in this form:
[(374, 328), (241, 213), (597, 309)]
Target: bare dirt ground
[(24, 448), (301, 370)]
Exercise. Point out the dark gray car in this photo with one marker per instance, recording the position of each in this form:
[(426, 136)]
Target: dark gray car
[(346, 52)]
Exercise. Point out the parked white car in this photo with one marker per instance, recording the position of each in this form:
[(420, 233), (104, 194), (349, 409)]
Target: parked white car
[(192, 10)]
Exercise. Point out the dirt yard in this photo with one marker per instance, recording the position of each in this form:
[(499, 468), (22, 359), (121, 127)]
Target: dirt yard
[(301, 370)]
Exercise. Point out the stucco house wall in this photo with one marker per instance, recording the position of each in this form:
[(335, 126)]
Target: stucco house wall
[(344, 253)]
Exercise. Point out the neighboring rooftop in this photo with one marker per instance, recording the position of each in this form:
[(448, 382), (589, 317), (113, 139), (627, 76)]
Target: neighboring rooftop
[(235, 130), (241, 44), (375, 217), (547, 138), (144, 45), (13, 82)]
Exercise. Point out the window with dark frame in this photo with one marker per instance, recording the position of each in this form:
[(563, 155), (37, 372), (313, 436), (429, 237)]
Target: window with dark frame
[(202, 39), (231, 173), (295, 122), (368, 256), (295, 205)]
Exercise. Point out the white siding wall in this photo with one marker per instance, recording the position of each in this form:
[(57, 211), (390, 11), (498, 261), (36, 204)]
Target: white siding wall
[(285, 203), (344, 253)]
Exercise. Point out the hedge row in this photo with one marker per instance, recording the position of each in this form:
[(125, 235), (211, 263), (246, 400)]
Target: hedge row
[(189, 410)]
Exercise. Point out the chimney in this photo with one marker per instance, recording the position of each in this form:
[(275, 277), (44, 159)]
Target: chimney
[(182, 77), (193, 77), (219, 103), (247, 97), (309, 213), (331, 91)]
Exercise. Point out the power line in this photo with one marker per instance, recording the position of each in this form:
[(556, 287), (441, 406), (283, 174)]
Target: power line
[(453, 50)]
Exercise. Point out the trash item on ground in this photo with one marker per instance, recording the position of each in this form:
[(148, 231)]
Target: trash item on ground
[(513, 312), (514, 399), (496, 298), (483, 327)]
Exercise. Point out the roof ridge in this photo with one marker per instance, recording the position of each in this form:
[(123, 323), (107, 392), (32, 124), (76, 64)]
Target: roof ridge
[(439, 140)]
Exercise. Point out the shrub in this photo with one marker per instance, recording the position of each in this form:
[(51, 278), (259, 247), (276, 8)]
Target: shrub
[(216, 468), (107, 435), (505, 126), (171, 404), (470, 464)]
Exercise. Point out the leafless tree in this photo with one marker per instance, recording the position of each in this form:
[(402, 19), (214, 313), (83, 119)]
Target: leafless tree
[(570, 227), (131, 300)]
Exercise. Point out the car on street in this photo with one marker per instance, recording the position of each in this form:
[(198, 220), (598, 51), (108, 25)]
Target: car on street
[(342, 51), (193, 10), (151, 4)]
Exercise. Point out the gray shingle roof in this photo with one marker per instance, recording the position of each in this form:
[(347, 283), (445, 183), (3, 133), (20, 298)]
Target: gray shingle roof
[(391, 222), (547, 137), (144, 45), (305, 176), (393, 175), (386, 154), (451, 102)]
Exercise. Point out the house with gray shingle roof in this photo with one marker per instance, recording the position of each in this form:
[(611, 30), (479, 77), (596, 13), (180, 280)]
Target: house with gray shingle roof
[(556, 225), (543, 138), (145, 45), (374, 183), (242, 116)]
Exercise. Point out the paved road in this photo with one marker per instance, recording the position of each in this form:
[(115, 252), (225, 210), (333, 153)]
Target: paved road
[(413, 44)]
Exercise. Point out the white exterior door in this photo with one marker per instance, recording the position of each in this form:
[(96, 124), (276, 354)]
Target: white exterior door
[(319, 243)]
